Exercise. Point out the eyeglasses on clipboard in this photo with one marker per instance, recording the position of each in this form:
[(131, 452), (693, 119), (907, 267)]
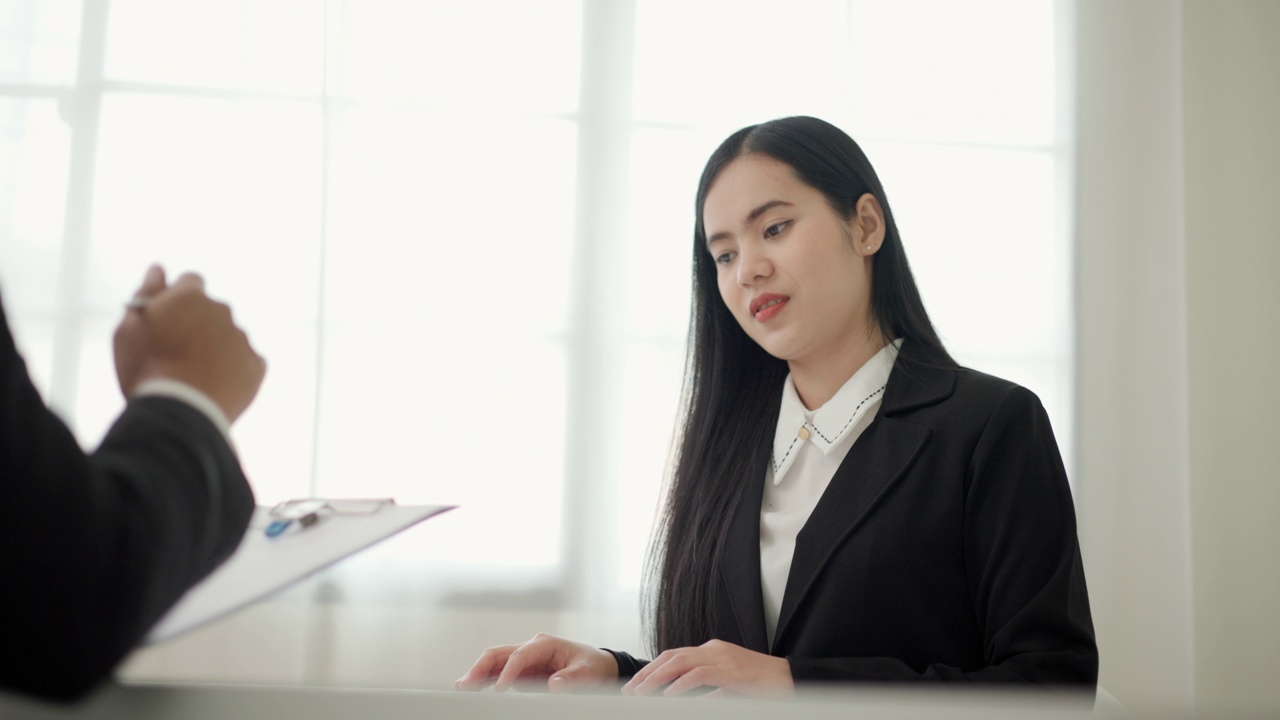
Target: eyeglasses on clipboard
[(306, 512)]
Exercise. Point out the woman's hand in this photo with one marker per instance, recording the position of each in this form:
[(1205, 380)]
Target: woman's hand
[(717, 664), (567, 666)]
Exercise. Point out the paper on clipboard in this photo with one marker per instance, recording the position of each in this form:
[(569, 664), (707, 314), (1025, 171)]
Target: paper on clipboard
[(262, 565)]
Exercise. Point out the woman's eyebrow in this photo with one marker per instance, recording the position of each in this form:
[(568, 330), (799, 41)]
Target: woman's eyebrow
[(751, 217)]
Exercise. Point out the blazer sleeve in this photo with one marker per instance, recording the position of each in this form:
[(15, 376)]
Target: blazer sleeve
[(95, 548), (628, 665), (1022, 562)]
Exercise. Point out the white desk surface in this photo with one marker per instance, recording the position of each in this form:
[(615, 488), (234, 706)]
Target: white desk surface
[(201, 702)]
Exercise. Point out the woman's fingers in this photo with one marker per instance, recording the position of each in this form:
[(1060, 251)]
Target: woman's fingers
[(484, 670), (654, 675), (715, 664), (542, 656), (566, 666)]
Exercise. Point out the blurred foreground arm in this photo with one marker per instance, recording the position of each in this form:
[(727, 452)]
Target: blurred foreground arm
[(95, 548)]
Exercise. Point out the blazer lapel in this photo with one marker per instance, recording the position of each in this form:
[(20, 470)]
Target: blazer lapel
[(740, 567), (877, 461)]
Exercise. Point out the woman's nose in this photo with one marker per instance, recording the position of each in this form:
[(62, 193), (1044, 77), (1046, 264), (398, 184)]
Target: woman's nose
[(753, 266)]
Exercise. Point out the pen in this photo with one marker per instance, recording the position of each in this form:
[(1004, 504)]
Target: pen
[(279, 526)]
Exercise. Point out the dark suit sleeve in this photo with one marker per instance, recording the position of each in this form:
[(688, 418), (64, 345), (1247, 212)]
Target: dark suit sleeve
[(1022, 563), (95, 548), (628, 665)]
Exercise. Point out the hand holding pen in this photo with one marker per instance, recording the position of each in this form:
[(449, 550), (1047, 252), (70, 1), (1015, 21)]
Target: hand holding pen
[(177, 332)]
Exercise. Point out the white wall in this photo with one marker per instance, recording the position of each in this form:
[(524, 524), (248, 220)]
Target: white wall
[(1179, 345), (1132, 372), (1232, 121)]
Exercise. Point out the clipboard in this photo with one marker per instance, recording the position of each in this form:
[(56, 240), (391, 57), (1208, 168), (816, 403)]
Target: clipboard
[(262, 566)]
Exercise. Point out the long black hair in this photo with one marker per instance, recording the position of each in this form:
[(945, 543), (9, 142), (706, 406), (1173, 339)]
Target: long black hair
[(733, 388)]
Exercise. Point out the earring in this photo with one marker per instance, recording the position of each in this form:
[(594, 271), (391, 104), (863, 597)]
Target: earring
[(868, 247)]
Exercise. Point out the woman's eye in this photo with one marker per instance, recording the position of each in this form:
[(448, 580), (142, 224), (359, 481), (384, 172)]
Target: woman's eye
[(725, 258), (776, 229)]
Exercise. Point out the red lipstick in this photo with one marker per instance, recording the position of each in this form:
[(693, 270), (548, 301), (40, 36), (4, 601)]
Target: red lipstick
[(767, 305)]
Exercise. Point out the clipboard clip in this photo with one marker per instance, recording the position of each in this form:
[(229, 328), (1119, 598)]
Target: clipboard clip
[(306, 512)]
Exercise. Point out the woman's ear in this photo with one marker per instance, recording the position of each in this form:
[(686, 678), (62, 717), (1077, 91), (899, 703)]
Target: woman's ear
[(868, 225)]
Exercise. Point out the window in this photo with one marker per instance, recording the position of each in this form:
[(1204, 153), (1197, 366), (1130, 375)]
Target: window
[(460, 232)]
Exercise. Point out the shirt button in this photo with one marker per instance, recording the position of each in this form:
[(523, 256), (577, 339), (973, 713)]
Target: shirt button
[(804, 433)]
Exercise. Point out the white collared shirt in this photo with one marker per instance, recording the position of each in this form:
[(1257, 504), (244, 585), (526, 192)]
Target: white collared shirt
[(808, 447)]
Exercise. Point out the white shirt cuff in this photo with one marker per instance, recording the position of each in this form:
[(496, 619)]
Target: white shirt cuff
[(178, 390)]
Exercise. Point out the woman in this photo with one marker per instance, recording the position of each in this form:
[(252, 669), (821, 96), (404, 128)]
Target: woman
[(848, 503)]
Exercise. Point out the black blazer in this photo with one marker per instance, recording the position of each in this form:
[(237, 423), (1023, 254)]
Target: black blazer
[(944, 548), (94, 549)]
